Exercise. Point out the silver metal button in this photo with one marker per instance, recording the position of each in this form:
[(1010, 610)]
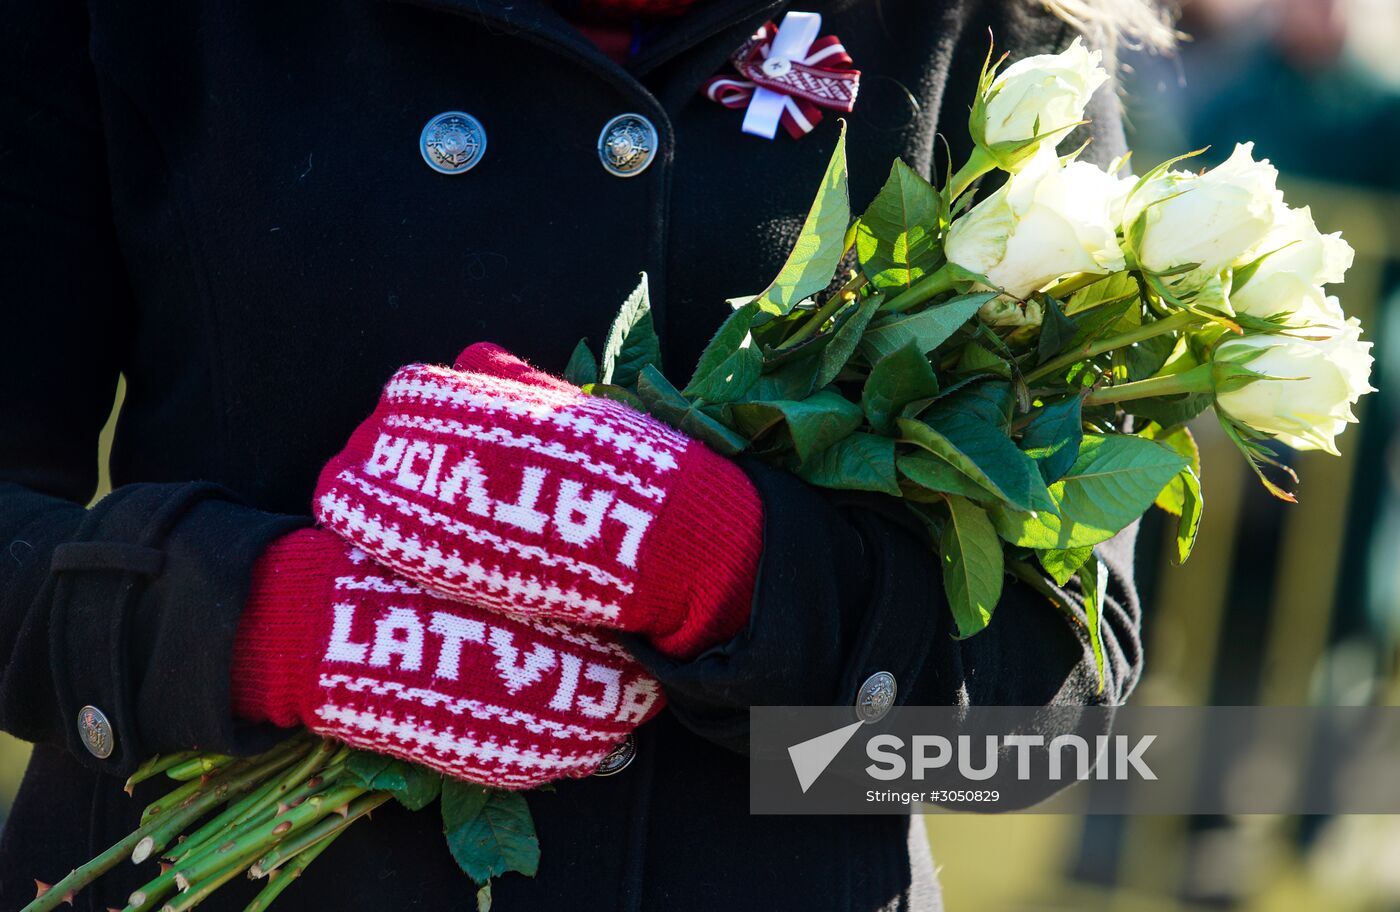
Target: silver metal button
[(96, 732), (875, 697), (627, 146), (453, 142), (618, 758)]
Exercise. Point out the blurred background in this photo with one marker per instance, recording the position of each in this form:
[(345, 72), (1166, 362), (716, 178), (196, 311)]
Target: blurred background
[(1281, 604)]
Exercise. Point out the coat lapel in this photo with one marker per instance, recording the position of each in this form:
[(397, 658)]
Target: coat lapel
[(538, 21)]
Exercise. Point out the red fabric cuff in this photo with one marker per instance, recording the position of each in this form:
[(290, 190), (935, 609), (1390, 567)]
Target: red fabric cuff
[(701, 561), (284, 623)]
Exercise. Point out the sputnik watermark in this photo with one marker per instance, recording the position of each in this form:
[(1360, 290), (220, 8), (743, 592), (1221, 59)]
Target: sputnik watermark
[(1115, 756), (1114, 760), (1105, 757)]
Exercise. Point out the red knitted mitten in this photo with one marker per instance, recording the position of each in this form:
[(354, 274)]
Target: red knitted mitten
[(502, 486), (331, 640)]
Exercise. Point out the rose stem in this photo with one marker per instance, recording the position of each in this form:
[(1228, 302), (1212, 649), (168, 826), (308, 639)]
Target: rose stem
[(145, 898), (244, 847), (157, 765), (193, 806), (931, 285), (198, 766), (266, 795), (157, 833), (83, 875), (1196, 380), (1070, 284), (978, 164), (329, 826), (282, 878), (194, 786), (201, 891), (1182, 319)]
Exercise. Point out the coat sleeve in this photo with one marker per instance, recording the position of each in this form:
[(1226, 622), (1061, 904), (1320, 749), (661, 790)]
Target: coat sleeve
[(846, 589), (130, 605)]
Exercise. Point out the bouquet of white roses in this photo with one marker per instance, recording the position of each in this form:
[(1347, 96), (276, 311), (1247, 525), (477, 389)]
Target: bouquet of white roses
[(1019, 372), (984, 362)]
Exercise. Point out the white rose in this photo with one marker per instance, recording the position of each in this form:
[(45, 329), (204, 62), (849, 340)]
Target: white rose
[(1039, 96), (1209, 220), (1320, 378), (1297, 260), (1046, 221)]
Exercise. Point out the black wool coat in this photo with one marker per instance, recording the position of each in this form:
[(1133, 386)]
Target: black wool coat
[(226, 204)]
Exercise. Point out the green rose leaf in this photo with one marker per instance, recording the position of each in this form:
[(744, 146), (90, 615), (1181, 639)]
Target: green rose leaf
[(972, 565), (975, 358), (376, 771), (1110, 290), (421, 787), (990, 400), (608, 391), (985, 455), (1172, 499), (632, 343), (415, 787), (729, 365), (860, 462), (1192, 505), (844, 341), (814, 423), (1093, 577), (734, 377), (582, 368), (1056, 331), (489, 831), (895, 381), (1061, 565), (793, 380), (933, 474), (1147, 357), (820, 244), (1096, 323), (1052, 437), (896, 238), (665, 402), (926, 329), (1182, 496), (1112, 482)]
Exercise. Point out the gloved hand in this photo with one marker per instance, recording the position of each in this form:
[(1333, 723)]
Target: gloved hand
[(505, 487), (333, 641)]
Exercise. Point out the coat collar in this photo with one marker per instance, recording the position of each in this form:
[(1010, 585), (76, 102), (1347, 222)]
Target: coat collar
[(539, 22)]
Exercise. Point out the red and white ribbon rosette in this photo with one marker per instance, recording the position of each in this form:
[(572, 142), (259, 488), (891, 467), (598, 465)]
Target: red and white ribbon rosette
[(787, 75)]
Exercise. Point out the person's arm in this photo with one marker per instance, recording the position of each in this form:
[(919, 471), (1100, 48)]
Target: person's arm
[(130, 606), (846, 589)]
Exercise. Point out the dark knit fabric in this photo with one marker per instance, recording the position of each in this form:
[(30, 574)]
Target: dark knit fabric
[(226, 203)]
